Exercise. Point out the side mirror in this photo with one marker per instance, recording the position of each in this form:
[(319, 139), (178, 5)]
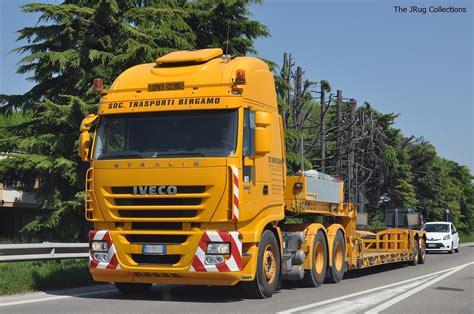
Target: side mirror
[(263, 139), (84, 145), (84, 138), (87, 122)]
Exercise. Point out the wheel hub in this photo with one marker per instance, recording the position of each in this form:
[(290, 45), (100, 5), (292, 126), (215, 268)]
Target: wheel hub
[(269, 264)]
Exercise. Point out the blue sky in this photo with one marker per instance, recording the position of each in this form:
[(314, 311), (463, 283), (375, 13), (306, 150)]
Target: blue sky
[(417, 65)]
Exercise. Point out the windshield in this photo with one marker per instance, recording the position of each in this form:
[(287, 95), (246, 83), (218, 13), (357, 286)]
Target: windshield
[(436, 228), (205, 133)]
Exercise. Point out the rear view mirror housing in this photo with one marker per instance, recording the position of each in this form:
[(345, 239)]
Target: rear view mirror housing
[(84, 138), (263, 139), (84, 145)]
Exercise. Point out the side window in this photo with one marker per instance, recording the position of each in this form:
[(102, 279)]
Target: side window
[(453, 229), (249, 132)]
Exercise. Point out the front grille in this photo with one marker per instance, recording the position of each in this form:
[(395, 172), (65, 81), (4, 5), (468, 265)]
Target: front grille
[(157, 201), (157, 226), (156, 238), (165, 260), (186, 203), (136, 213)]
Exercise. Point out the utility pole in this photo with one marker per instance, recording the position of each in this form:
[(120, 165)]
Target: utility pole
[(302, 155), (339, 131), (350, 155), (286, 74), (288, 80), (298, 103), (322, 135), (298, 96)]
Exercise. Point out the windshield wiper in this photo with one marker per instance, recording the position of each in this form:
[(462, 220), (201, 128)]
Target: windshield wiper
[(122, 154)]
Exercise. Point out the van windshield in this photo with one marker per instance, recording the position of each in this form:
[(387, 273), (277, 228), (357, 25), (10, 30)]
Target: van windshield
[(197, 133), (436, 228)]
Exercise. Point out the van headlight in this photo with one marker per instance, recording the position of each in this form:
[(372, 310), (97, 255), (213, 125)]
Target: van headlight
[(447, 237)]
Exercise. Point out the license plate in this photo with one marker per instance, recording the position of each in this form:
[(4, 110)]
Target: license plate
[(431, 245), (156, 249)]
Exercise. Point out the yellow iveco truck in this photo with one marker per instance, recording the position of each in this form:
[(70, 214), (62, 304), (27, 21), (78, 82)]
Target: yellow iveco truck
[(187, 185)]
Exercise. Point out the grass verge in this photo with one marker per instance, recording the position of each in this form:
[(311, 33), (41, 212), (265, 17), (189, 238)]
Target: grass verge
[(20, 277), (464, 238)]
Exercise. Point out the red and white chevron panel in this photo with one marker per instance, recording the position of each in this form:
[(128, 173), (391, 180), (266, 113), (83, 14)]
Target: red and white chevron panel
[(232, 264), (112, 263), (235, 192)]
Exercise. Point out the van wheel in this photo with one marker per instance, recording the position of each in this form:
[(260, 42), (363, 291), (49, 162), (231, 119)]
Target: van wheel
[(267, 276), (132, 288), (452, 248), (416, 253), (422, 253), (314, 277), (335, 272)]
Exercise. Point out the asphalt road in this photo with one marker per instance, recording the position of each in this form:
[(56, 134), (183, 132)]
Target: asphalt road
[(444, 284)]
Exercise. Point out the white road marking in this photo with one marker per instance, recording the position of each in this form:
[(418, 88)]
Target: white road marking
[(311, 307), (58, 297), (368, 300), (412, 292)]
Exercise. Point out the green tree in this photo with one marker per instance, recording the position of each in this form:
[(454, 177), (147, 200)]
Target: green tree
[(72, 43), (226, 24)]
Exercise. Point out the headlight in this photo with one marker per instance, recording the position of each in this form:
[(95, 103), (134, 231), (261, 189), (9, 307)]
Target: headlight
[(447, 237), (221, 248), (99, 246)]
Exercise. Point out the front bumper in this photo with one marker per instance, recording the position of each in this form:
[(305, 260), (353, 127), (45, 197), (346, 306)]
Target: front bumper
[(190, 269), (439, 245)]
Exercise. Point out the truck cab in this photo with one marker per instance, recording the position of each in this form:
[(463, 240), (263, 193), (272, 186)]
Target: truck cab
[(186, 151)]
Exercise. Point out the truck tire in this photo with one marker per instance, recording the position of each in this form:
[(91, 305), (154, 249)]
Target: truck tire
[(336, 271), (132, 288), (314, 277), (416, 253), (422, 253), (267, 277)]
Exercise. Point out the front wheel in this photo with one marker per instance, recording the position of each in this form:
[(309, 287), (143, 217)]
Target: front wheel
[(267, 276), (452, 248), (132, 288)]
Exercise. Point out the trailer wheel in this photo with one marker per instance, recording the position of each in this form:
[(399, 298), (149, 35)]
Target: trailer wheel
[(336, 271), (416, 253), (267, 277), (422, 254), (132, 288), (314, 277)]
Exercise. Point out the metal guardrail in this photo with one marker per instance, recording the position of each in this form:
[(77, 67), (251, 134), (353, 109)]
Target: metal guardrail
[(42, 251)]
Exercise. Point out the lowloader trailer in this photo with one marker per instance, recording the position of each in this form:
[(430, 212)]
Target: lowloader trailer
[(187, 185)]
